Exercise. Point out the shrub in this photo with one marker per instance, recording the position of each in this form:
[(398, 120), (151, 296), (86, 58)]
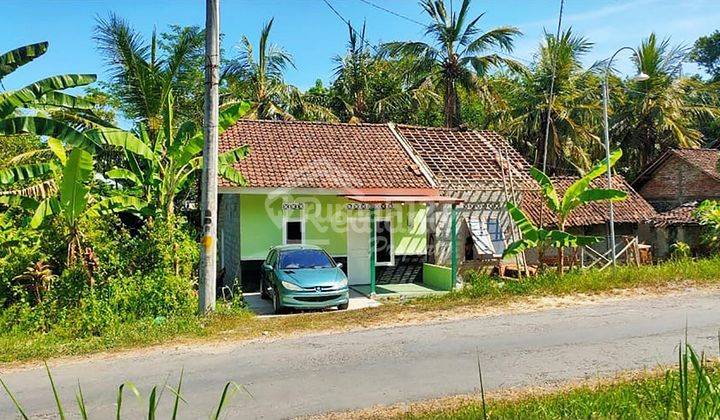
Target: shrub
[(152, 295), (680, 251), (165, 245)]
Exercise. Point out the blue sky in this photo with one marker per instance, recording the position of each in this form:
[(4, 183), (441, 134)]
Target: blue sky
[(313, 34)]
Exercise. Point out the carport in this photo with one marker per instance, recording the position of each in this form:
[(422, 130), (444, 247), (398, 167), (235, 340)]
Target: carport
[(435, 278)]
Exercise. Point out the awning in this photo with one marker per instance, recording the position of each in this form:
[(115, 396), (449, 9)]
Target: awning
[(399, 195)]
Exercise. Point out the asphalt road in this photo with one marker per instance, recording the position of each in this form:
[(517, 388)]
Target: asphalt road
[(321, 373)]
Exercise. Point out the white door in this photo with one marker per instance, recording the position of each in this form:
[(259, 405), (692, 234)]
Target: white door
[(358, 252)]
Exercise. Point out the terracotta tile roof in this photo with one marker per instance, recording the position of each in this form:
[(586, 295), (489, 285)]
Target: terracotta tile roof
[(321, 155), (704, 160), (680, 215), (466, 159), (634, 209)]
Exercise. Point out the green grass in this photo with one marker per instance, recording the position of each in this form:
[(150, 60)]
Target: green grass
[(705, 271), (655, 396), (690, 390), (481, 292)]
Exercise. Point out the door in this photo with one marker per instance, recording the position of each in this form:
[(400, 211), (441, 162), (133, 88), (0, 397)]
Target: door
[(358, 250)]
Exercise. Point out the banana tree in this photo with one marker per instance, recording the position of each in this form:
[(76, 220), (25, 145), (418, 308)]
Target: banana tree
[(159, 178), (18, 107), (73, 202), (536, 237), (577, 194)]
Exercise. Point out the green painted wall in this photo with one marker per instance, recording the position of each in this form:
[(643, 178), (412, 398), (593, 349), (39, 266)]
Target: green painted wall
[(261, 221), (437, 276)]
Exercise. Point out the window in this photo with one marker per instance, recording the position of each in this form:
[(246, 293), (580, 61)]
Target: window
[(495, 230), (383, 243), (305, 258), (294, 232)]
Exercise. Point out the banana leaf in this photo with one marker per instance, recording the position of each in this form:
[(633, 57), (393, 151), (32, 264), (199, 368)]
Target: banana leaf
[(73, 189), (19, 173), (64, 100), (47, 207), (12, 100), (548, 189), (13, 59), (571, 198), (120, 138), (40, 126)]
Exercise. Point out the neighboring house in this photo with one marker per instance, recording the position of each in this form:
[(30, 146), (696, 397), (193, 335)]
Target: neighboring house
[(592, 218), (631, 215), (676, 225), (325, 183), (482, 169), (674, 185), (680, 176), (330, 185)]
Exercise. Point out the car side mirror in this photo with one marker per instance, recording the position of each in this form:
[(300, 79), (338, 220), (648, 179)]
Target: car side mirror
[(339, 265), (267, 267)]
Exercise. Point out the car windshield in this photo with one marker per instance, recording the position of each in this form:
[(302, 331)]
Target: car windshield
[(305, 258)]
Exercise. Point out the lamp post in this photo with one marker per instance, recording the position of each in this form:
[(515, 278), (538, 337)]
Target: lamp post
[(606, 93)]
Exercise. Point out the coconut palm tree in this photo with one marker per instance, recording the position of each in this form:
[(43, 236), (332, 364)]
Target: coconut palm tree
[(260, 81), (661, 112), (458, 57), (574, 114), (370, 88), (141, 77)]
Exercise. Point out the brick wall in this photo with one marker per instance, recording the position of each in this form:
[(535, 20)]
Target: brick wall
[(676, 182)]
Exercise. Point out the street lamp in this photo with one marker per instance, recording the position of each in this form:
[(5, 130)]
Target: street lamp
[(606, 92)]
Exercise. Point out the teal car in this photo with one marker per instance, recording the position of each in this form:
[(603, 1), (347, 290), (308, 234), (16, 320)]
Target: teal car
[(303, 277)]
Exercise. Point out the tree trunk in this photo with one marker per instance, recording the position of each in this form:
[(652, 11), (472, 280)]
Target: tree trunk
[(452, 105), (561, 249)]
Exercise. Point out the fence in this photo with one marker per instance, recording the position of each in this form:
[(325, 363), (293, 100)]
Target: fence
[(627, 251)]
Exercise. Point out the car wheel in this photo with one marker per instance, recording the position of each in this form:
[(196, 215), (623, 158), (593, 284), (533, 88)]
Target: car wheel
[(263, 291), (343, 306), (277, 306)]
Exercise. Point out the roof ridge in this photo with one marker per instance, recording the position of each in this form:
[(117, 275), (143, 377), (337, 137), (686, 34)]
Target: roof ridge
[(331, 123), (696, 165)]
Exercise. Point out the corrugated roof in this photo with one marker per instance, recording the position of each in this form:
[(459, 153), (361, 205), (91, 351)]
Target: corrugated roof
[(302, 154), (466, 159), (634, 209)]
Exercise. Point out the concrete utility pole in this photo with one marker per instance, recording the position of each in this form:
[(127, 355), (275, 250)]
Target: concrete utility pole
[(208, 247)]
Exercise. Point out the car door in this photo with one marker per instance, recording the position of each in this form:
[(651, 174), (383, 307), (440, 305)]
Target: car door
[(269, 274)]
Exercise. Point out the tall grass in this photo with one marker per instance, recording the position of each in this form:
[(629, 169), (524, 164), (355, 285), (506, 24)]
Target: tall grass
[(479, 286)]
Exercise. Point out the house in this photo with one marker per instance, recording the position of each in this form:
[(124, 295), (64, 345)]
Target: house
[(674, 185), (631, 215), (680, 176), (676, 225), (350, 188), (592, 218), (481, 169)]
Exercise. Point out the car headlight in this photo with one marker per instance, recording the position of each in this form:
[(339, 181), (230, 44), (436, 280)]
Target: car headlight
[(292, 286), (343, 282)]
